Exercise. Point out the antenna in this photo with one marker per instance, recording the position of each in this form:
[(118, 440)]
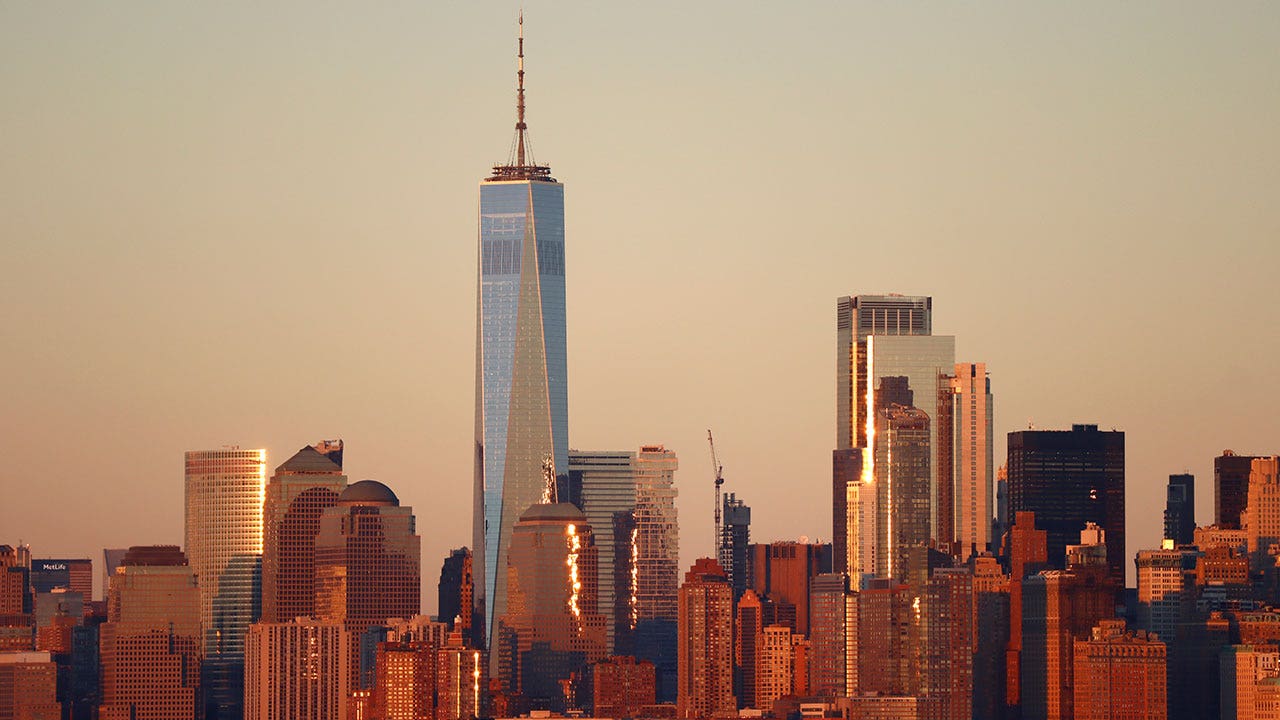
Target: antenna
[(521, 164), (520, 126)]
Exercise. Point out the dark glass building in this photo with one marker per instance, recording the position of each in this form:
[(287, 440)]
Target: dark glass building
[(456, 595), (735, 539), (1069, 478), (1180, 509), (1230, 487)]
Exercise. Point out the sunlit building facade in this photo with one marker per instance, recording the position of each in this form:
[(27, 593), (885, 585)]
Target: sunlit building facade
[(706, 643), (150, 644), (604, 486), (223, 531), (300, 490), (656, 552), (1120, 675), (522, 397), (296, 669), (902, 487), (28, 686), (972, 458)]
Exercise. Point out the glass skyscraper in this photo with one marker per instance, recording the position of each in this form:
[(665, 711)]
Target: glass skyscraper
[(522, 414)]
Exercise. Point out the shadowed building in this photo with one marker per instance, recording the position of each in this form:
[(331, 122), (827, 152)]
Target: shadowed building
[(706, 643), (1230, 487), (74, 575), (604, 485), (552, 629), (368, 562), (456, 595), (150, 644), (223, 531), (1180, 509), (947, 653), (1069, 478), (522, 407), (1027, 550), (300, 490)]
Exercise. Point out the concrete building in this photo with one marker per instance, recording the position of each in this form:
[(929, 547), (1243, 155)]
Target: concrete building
[(705, 643), (301, 489), (150, 644), (456, 593), (947, 652), (28, 686), (1027, 549), (1119, 675), (461, 678), (296, 669), (888, 639), (1058, 607), (1244, 669)]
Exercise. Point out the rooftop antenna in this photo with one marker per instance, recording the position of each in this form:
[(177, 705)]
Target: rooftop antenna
[(521, 128), (520, 163)]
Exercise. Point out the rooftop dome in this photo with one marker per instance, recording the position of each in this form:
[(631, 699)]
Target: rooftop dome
[(554, 511), (368, 492)]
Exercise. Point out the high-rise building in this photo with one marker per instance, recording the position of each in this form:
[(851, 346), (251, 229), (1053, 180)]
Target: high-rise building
[(74, 575), (223, 531), (773, 670), (622, 687), (1245, 669), (947, 645), (853, 514), (971, 455), (405, 680), (461, 676), (783, 571), (604, 485), (456, 595), (296, 669), (1119, 675), (888, 638), (17, 604), (990, 637), (705, 643), (522, 406), (1069, 478), (1230, 487), (1166, 591), (304, 486), (368, 562), (111, 559), (902, 486), (735, 541), (28, 686), (552, 628), (833, 613), (1180, 509), (150, 643), (655, 547), (1058, 606), (1027, 550), (1261, 516), (747, 625)]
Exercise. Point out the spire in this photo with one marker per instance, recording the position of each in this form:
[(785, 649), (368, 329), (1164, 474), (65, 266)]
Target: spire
[(520, 164)]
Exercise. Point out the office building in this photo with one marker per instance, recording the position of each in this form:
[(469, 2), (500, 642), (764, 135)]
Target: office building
[(28, 686), (971, 456), (223, 543), (17, 604), (656, 551), (622, 687), (1058, 606), (990, 637), (705, 643), (150, 644), (368, 562), (853, 514), (1069, 478), (783, 571), (1230, 487), (1245, 672), (747, 625), (1119, 675), (1180, 509), (1166, 591), (604, 485), (1027, 550), (1261, 516), (902, 483), (456, 596), (301, 489), (888, 639), (461, 676), (296, 669), (552, 629), (111, 559), (774, 665), (522, 408), (74, 575), (735, 541), (833, 610), (946, 615)]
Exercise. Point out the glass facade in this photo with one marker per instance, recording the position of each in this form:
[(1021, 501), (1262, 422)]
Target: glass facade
[(521, 374)]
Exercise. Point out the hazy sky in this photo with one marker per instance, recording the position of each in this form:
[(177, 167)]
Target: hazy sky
[(236, 224)]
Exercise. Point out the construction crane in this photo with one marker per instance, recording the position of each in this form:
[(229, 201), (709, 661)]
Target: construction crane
[(719, 471)]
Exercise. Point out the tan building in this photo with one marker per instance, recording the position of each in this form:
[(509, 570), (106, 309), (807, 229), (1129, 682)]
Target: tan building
[(774, 659), (1243, 669), (973, 458), (17, 605), (300, 490), (1119, 675), (1166, 590), (296, 669), (705, 643), (1261, 517), (28, 686), (404, 685), (150, 644)]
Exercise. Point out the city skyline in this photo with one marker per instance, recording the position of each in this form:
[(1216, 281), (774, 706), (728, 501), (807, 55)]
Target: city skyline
[(124, 316)]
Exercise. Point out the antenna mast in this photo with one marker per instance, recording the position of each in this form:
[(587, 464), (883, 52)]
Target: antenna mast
[(520, 126), (719, 471)]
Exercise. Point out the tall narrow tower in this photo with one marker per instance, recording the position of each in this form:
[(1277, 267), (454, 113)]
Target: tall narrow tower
[(522, 412)]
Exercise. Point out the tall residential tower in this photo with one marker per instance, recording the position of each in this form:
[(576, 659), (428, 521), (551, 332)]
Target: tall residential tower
[(522, 413)]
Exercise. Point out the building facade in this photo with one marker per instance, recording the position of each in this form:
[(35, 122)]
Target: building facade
[(296, 669), (1180, 509), (1230, 487), (223, 543), (735, 542), (301, 489), (522, 397), (28, 686), (604, 483), (1119, 675), (705, 643), (973, 460), (1070, 478)]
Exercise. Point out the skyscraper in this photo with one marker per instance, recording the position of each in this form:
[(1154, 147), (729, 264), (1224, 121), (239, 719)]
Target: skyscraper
[(150, 643), (1120, 675), (655, 547), (902, 486), (972, 457), (783, 571), (368, 561), (522, 408), (1230, 487), (296, 669), (1180, 509), (706, 643), (604, 484), (224, 494), (857, 317), (1069, 478), (735, 540), (456, 594), (28, 686), (303, 487), (833, 668)]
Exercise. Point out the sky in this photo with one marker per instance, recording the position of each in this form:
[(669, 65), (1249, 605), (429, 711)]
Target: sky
[(232, 224)]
